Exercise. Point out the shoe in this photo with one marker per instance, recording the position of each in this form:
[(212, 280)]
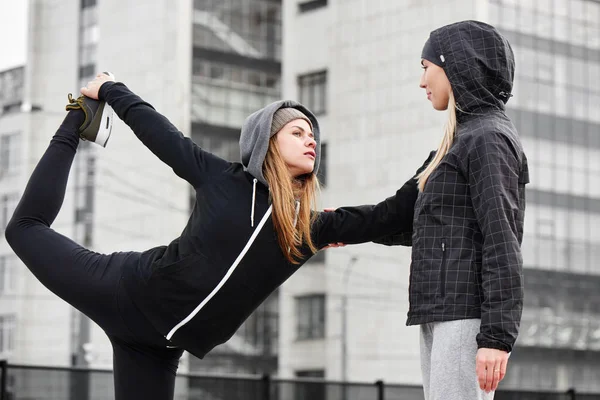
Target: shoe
[(98, 118)]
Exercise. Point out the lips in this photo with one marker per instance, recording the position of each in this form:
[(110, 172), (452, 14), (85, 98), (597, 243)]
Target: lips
[(311, 154)]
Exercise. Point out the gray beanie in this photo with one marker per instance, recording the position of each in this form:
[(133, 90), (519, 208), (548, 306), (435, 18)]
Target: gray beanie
[(285, 115)]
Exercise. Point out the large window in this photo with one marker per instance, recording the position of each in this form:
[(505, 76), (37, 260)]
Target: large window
[(561, 316), (251, 27), (310, 314), (565, 169), (7, 333), (11, 90), (7, 273), (312, 89), (9, 154), (88, 40), (571, 21), (556, 84), (261, 329), (225, 94), (8, 203)]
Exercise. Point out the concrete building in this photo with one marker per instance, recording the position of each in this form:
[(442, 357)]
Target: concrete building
[(356, 62)]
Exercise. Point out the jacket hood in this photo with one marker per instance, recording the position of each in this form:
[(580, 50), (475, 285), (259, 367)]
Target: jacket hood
[(478, 62), (256, 133)]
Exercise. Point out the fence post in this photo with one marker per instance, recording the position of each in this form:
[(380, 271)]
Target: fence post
[(571, 393), (380, 390), (3, 371), (266, 380)]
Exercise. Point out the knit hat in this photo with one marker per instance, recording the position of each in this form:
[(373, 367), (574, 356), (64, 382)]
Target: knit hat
[(431, 55), (285, 115), (256, 135)]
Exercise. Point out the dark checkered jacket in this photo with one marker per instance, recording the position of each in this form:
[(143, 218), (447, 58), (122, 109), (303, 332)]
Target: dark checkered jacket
[(468, 221)]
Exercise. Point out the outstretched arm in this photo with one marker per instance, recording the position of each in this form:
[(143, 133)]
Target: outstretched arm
[(157, 133), (400, 238), (392, 218)]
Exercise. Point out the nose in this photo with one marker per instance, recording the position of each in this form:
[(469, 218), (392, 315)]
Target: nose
[(422, 83), (311, 142)]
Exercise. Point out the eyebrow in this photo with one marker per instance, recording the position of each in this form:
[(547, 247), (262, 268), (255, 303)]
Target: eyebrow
[(302, 129)]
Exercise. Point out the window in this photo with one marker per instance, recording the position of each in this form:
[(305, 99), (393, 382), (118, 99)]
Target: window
[(86, 72), (310, 390), (310, 314), (311, 5), (312, 89), (8, 203), (316, 373), (250, 28), (88, 3), (9, 154), (225, 94), (89, 37), (7, 333), (7, 271)]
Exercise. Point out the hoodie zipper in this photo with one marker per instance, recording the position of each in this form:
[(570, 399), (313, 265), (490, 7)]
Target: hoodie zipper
[(225, 278), (443, 271)]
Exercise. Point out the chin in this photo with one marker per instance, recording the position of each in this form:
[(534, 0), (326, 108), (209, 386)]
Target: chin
[(305, 171)]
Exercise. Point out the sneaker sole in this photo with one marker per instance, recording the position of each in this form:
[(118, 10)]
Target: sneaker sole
[(105, 126), (106, 121)]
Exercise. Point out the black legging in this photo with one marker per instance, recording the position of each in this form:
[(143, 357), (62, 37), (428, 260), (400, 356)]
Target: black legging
[(144, 368)]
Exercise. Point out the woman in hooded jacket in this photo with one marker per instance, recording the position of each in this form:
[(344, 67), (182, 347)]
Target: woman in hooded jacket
[(252, 226), (466, 284)]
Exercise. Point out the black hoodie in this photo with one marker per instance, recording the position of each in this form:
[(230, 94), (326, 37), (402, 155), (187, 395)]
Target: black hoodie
[(468, 222), (200, 288)]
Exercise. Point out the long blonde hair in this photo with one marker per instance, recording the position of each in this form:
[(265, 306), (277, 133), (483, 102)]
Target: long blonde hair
[(284, 194), (449, 133)]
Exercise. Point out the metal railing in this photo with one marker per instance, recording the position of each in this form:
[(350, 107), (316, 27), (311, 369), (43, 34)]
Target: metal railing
[(19, 382)]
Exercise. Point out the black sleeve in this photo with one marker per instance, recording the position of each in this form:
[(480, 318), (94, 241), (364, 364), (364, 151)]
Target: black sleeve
[(493, 173), (160, 136), (403, 237), (360, 224)]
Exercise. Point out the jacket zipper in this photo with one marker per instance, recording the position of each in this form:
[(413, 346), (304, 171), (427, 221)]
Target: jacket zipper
[(443, 271), (225, 278)]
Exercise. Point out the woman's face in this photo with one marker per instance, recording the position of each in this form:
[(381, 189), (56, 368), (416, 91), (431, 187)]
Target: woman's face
[(297, 146), (436, 84)]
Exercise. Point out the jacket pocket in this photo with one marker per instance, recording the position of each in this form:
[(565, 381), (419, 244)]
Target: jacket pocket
[(443, 270), (180, 286), (175, 266)]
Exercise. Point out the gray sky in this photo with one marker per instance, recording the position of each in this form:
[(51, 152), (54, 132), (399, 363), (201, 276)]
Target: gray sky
[(13, 33)]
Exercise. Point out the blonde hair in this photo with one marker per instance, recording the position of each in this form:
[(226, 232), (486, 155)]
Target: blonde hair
[(449, 132), (284, 193)]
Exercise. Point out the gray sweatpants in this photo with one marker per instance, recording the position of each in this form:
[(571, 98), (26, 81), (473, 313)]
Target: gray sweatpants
[(448, 351)]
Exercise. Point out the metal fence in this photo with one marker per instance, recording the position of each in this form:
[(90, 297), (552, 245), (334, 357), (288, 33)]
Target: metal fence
[(20, 382)]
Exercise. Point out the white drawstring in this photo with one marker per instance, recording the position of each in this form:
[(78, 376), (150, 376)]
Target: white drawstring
[(297, 212), (253, 202)]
